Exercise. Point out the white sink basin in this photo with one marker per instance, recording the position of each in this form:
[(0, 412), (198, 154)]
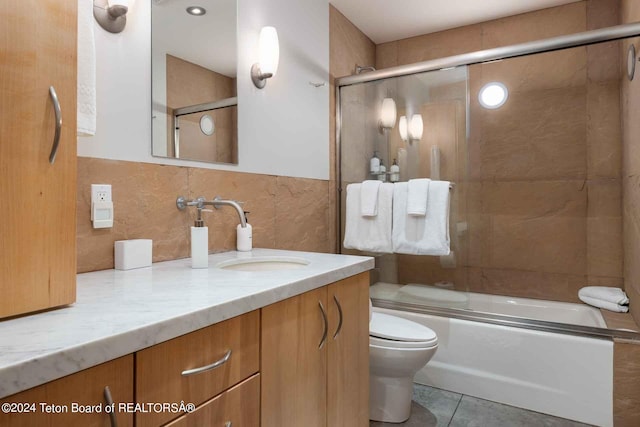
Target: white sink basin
[(265, 263)]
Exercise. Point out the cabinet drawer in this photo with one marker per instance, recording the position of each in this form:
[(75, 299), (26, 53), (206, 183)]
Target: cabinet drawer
[(237, 407), (160, 370), (83, 388)]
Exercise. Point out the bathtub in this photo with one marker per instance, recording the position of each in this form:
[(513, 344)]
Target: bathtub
[(565, 375)]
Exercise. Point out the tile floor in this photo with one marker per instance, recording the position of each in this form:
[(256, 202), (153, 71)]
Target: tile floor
[(433, 407)]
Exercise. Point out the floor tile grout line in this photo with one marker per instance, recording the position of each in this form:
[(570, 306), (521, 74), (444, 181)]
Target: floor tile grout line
[(455, 410)]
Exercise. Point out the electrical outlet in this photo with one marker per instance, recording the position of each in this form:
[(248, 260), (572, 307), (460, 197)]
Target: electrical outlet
[(101, 193), (101, 206)]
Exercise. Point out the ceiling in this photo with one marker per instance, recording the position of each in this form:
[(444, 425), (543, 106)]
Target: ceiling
[(384, 20), (208, 40)]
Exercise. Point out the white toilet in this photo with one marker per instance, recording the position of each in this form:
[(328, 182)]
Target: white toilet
[(398, 348)]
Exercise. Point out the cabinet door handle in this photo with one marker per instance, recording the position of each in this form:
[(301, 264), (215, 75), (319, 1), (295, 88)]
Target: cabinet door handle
[(214, 365), (109, 400), (58, 113), (339, 328), (227, 424), (325, 325)]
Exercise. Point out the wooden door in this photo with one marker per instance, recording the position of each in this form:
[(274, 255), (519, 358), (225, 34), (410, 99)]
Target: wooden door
[(294, 364), (37, 199), (348, 353), (85, 388)]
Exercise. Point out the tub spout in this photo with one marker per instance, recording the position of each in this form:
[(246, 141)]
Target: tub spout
[(218, 202)]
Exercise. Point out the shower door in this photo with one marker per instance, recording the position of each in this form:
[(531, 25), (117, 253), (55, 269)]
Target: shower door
[(439, 100)]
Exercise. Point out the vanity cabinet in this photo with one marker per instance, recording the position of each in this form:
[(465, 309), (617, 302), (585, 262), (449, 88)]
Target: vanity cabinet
[(315, 357), (37, 196), (53, 403), (303, 361)]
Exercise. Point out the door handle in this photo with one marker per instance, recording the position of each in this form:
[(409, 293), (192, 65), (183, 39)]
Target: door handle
[(339, 328), (58, 113), (325, 325), (109, 400)]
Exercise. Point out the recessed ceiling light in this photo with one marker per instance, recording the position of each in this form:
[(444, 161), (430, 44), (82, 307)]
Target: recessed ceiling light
[(493, 95), (196, 10)]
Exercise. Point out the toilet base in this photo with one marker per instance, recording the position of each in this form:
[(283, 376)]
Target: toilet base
[(390, 399)]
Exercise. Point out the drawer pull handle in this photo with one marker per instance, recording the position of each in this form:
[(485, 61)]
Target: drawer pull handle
[(227, 424), (340, 320), (58, 113), (214, 365), (325, 325), (109, 400)]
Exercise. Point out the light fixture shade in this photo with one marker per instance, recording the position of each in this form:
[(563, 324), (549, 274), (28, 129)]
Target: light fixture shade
[(416, 127), (402, 127), (388, 113), (269, 50)]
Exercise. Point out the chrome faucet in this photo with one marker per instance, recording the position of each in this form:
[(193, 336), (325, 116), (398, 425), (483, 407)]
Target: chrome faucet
[(218, 202)]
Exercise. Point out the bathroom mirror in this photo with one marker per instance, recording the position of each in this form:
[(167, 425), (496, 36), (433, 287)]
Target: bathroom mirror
[(193, 83)]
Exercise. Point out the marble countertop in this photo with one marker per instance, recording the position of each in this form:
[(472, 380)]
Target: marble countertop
[(120, 312)]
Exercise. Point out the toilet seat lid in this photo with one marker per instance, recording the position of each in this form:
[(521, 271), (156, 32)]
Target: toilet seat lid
[(398, 329)]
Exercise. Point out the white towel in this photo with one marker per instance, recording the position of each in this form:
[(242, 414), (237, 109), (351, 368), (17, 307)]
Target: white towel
[(424, 235), (369, 197), (372, 234), (418, 196), (86, 70), (611, 306), (604, 293)]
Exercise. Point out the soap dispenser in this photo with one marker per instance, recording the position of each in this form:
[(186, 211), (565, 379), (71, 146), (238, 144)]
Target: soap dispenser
[(374, 163), (199, 243), (382, 173), (395, 172), (244, 236)]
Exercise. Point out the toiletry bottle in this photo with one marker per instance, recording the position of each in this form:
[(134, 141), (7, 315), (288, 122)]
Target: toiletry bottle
[(395, 172), (382, 173), (244, 236), (199, 243), (374, 164)]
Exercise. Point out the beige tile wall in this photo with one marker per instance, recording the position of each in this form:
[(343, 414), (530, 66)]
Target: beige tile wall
[(630, 12), (286, 213), (544, 204)]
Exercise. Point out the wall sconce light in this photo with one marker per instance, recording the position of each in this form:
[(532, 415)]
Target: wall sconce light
[(111, 14), (416, 128), (387, 115), (402, 127), (268, 57)]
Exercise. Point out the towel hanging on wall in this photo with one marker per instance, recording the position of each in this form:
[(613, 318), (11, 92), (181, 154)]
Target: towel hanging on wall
[(369, 234)]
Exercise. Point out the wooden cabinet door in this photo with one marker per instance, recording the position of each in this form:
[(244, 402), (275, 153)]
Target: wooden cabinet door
[(37, 199), (348, 353), (83, 388), (294, 367)]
